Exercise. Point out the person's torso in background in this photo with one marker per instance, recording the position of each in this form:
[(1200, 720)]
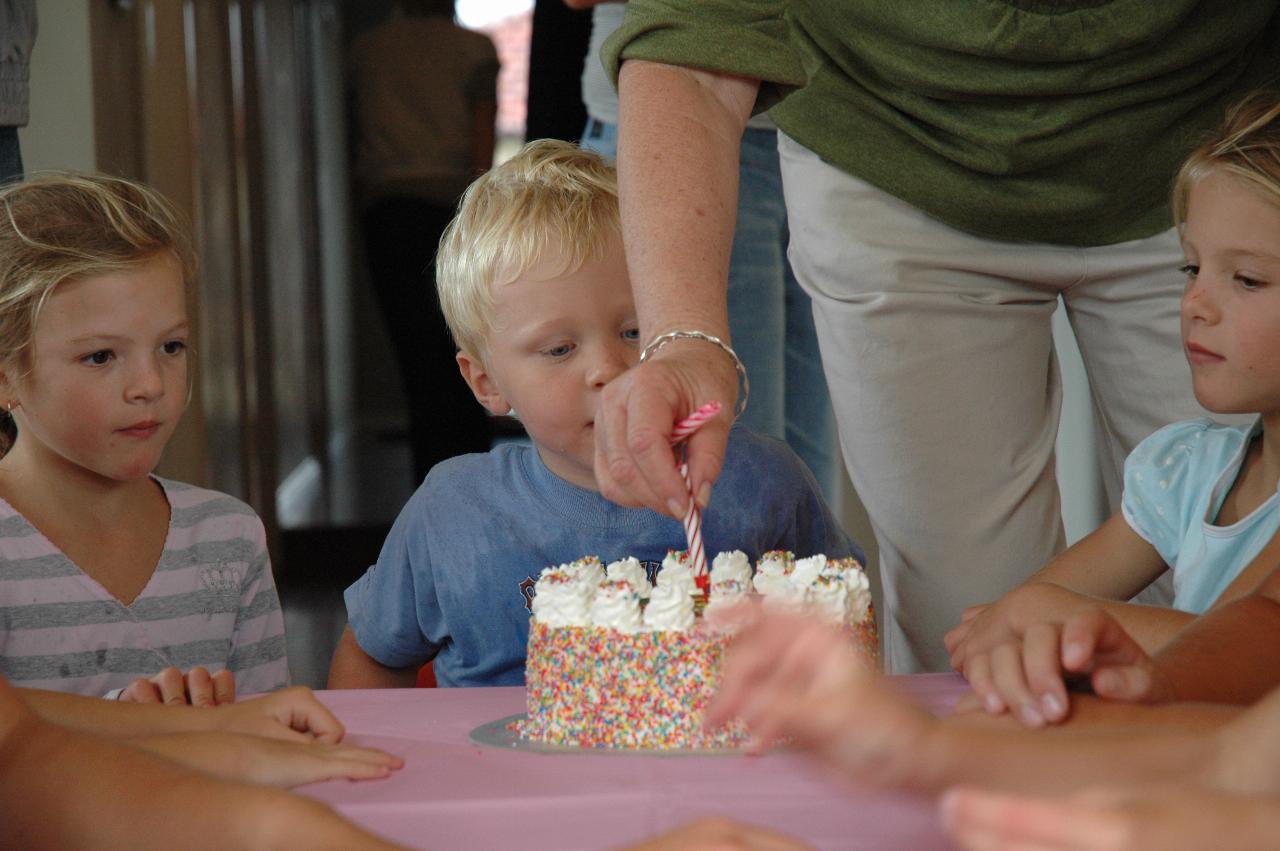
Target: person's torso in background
[(417, 81)]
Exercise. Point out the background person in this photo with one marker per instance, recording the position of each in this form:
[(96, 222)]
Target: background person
[(425, 94)]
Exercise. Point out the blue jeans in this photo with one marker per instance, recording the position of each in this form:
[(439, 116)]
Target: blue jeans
[(770, 316)]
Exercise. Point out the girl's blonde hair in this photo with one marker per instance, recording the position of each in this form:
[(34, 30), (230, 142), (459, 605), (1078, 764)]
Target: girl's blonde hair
[(551, 195), (1247, 148), (65, 226)]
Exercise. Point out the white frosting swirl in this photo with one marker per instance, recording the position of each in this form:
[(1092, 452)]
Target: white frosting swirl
[(629, 569), (807, 569), (616, 606), (731, 566), (670, 608), (588, 569), (859, 594), (830, 596), (677, 573), (561, 599), (771, 577), (783, 560)]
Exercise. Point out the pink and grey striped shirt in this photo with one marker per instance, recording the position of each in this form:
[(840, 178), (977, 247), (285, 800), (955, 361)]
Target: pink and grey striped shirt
[(211, 601)]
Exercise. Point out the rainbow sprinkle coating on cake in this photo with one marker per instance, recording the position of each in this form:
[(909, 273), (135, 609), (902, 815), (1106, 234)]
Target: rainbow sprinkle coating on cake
[(593, 687), (601, 675)]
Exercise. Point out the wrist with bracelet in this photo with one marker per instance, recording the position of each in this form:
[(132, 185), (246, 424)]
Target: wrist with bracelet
[(744, 386)]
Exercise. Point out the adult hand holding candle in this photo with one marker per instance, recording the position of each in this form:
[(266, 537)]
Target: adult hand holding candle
[(635, 417)]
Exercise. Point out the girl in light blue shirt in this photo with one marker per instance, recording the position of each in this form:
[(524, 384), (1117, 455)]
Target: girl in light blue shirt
[(1199, 498)]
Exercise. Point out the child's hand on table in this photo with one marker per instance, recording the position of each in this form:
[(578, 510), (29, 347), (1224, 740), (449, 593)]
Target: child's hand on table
[(788, 676), (1028, 676), (983, 628), (197, 688), (269, 762), (291, 714)]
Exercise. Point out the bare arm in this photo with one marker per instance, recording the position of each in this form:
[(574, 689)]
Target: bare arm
[(1102, 570), (1135, 744), (353, 668), (792, 677), (291, 713), (679, 134), (1113, 562), (1227, 655), (268, 762), (64, 789)]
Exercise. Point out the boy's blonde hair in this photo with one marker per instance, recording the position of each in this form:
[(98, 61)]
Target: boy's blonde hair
[(551, 195), (65, 226), (1247, 148)]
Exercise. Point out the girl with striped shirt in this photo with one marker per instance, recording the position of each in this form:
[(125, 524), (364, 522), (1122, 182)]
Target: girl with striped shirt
[(114, 581)]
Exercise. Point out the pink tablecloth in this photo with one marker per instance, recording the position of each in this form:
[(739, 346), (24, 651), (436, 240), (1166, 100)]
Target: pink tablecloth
[(455, 794)]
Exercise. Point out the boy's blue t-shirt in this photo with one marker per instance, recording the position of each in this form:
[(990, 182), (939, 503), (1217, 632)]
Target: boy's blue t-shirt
[(1175, 483), (454, 581)]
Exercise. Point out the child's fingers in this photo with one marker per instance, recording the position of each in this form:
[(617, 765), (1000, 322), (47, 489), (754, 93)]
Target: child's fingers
[(1040, 660), (289, 764), (371, 756), (224, 687), (977, 671), (973, 611), (141, 691), (355, 763), (1010, 680), (200, 687), (299, 709), (954, 642), (292, 714), (172, 685), (1020, 822), (1130, 683), (1093, 638)]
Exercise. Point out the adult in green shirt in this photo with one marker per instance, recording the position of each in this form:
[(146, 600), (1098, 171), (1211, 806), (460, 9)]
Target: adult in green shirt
[(952, 171)]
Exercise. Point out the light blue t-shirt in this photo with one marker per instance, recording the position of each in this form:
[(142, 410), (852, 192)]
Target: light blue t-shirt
[(1175, 482), (455, 578)]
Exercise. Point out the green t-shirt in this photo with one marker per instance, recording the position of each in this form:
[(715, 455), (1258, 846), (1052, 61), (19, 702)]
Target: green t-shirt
[(1058, 121)]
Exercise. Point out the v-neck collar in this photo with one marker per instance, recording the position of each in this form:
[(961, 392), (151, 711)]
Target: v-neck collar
[(98, 589)]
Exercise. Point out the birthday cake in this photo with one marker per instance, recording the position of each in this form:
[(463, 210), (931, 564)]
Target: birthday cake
[(615, 662)]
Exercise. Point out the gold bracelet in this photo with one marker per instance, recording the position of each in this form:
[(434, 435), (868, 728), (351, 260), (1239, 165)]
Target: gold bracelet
[(744, 385)]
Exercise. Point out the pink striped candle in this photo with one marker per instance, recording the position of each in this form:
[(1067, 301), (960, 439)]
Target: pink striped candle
[(693, 422), (693, 517)]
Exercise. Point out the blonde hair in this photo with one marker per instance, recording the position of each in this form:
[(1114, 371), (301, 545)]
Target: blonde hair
[(551, 195), (64, 226), (1247, 148)]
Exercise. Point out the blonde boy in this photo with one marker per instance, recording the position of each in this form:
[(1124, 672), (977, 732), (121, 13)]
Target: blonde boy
[(533, 283)]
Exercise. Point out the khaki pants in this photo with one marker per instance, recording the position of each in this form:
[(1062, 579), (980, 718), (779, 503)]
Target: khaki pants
[(938, 350)]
